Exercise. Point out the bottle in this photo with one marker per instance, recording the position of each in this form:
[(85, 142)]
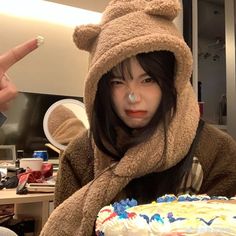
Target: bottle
[(42, 154), (19, 155)]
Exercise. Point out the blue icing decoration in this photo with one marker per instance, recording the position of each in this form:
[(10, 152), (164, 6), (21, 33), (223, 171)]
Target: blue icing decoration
[(145, 217), (170, 215), (119, 211), (124, 202), (166, 198), (195, 199), (100, 233), (207, 222), (169, 198), (158, 218), (123, 215), (181, 198), (132, 203), (189, 198), (160, 199), (171, 218), (120, 207), (179, 218)]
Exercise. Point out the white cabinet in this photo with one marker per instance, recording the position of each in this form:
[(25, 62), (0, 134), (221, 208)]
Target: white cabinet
[(36, 205)]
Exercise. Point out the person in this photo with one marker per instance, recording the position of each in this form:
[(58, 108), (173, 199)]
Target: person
[(8, 89), (146, 137)]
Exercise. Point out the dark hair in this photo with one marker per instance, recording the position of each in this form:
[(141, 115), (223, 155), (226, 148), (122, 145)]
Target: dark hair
[(160, 65)]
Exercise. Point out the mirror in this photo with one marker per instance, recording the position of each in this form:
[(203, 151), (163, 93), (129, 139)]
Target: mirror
[(63, 121)]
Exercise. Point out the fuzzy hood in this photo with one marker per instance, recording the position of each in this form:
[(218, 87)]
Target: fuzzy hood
[(129, 27)]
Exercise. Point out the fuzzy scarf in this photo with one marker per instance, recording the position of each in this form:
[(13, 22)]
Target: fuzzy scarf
[(77, 214)]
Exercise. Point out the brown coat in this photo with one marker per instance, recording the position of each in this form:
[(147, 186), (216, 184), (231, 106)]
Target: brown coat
[(76, 216)]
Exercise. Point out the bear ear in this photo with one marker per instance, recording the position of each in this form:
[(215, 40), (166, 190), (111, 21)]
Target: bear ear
[(165, 8), (85, 35)]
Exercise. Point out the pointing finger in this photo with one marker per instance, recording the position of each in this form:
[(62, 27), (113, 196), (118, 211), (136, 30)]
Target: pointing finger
[(17, 53)]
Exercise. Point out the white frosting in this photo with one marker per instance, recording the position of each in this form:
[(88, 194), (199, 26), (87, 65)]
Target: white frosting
[(137, 226), (40, 40), (218, 216), (156, 227), (105, 213), (114, 227)]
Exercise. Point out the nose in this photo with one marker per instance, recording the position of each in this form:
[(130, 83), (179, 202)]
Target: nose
[(134, 96), (133, 91)]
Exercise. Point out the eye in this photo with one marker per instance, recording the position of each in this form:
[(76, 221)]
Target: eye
[(116, 82), (149, 80)]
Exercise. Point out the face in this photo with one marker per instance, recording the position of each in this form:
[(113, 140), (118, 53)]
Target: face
[(137, 111)]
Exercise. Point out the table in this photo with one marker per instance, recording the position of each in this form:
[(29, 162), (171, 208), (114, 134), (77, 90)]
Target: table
[(36, 205)]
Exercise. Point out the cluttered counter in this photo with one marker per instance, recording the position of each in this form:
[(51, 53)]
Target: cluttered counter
[(26, 196)]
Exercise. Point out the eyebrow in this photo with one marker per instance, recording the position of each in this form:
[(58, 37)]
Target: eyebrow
[(144, 74)]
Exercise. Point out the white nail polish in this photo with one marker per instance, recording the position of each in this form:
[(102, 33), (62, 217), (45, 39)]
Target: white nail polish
[(40, 40)]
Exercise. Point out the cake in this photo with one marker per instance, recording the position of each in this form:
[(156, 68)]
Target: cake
[(169, 216)]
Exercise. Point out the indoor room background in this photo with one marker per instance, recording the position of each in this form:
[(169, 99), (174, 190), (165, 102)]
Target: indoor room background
[(57, 69)]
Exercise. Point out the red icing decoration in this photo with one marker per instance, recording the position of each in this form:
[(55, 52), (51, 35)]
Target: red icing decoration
[(110, 217), (132, 214), (108, 210)]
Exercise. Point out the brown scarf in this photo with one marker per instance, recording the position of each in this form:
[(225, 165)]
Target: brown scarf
[(142, 159)]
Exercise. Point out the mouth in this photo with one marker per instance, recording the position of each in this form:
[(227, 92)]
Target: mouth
[(135, 113)]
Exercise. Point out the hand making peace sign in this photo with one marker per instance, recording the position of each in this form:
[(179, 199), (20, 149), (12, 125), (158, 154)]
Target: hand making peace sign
[(7, 89)]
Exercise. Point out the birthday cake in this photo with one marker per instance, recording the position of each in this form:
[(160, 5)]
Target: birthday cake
[(169, 216)]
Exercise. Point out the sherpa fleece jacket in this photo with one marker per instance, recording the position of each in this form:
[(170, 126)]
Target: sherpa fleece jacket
[(216, 151)]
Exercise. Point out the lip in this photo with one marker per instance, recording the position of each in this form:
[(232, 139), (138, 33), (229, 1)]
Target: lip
[(136, 113)]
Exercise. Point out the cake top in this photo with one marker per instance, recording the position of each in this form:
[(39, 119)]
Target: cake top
[(183, 215)]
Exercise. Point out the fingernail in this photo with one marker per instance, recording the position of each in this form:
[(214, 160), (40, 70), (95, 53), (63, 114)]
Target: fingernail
[(40, 40)]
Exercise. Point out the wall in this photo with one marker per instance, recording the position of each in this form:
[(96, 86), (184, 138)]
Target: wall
[(57, 67), (211, 57), (93, 5), (212, 71)]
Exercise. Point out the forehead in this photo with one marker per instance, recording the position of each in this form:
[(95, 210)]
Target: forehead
[(128, 69)]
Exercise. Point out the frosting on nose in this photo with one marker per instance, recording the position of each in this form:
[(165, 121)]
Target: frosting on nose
[(132, 97)]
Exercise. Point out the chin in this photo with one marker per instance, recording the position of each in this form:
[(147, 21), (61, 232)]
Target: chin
[(136, 126), (135, 123)]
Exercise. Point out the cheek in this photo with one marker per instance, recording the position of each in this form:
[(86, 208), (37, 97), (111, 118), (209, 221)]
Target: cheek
[(157, 98), (116, 99)]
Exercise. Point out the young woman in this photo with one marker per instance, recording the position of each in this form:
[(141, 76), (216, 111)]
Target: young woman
[(146, 137)]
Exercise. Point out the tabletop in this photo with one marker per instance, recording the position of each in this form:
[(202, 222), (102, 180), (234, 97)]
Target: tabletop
[(9, 196)]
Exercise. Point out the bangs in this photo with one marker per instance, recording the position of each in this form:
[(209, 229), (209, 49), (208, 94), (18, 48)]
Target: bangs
[(121, 71)]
